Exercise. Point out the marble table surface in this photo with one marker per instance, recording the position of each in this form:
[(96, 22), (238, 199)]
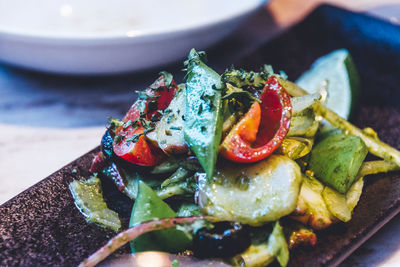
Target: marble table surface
[(47, 120)]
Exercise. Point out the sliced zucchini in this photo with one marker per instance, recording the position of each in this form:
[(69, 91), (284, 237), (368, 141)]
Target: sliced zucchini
[(251, 194)]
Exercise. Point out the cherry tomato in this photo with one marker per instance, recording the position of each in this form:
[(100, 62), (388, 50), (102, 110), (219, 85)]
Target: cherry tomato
[(141, 151)]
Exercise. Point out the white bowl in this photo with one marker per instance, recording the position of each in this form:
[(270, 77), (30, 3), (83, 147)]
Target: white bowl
[(103, 37)]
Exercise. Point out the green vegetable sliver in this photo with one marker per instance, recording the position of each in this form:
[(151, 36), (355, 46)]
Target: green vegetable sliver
[(89, 200)]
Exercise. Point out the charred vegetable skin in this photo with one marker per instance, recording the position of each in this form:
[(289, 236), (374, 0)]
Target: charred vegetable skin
[(204, 115), (130, 141), (225, 239), (263, 127)]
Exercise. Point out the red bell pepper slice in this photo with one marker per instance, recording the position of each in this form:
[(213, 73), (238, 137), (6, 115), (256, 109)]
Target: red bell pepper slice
[(262, 129), (142, 151)]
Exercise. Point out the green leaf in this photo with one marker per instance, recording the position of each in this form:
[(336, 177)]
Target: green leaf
[(203, 115), (149, 206), (278, 246)]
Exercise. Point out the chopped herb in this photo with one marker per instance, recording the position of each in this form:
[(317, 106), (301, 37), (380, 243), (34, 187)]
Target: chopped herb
[(134, 138), (170, 118), (119, 138), (176, 128), (114, 123), (200, 109), (168, 132), (127, 124)]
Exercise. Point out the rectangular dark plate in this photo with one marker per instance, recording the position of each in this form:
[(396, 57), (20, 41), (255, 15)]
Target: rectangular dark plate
[(41, 226)]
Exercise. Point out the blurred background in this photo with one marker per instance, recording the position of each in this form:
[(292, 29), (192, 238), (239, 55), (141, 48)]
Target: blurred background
[(48, 119)]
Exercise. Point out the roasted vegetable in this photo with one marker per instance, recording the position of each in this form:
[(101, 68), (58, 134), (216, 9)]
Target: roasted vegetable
[(180, 183), (311, 208), (304, 124), (203, 115), (251, 113), (257, 255), (188, 209), (301, 103), (250, 80), (251, 194), (264, 249), (298, 234), (337, 159), (295, 147), (130, 141), (89, 200), (342, 205), (98, 163), (374, 145), (278, 246), (168, 133), (319, 206), (262, 128), (184, 188)]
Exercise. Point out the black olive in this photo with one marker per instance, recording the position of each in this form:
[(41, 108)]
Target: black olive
[(226, 239), (107, 145)]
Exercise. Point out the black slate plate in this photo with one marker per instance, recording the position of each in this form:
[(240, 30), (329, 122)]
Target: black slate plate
[(41, 226)]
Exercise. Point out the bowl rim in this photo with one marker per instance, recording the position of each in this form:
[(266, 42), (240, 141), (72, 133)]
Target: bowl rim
[(131, 35)]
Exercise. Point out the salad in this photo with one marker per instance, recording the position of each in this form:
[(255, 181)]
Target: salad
[(242, 166)]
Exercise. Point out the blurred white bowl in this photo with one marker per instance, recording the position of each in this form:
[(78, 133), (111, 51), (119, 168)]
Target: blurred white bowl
[(103, 37)]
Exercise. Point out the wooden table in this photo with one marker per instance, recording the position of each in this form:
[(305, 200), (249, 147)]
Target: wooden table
[(47, 121)]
